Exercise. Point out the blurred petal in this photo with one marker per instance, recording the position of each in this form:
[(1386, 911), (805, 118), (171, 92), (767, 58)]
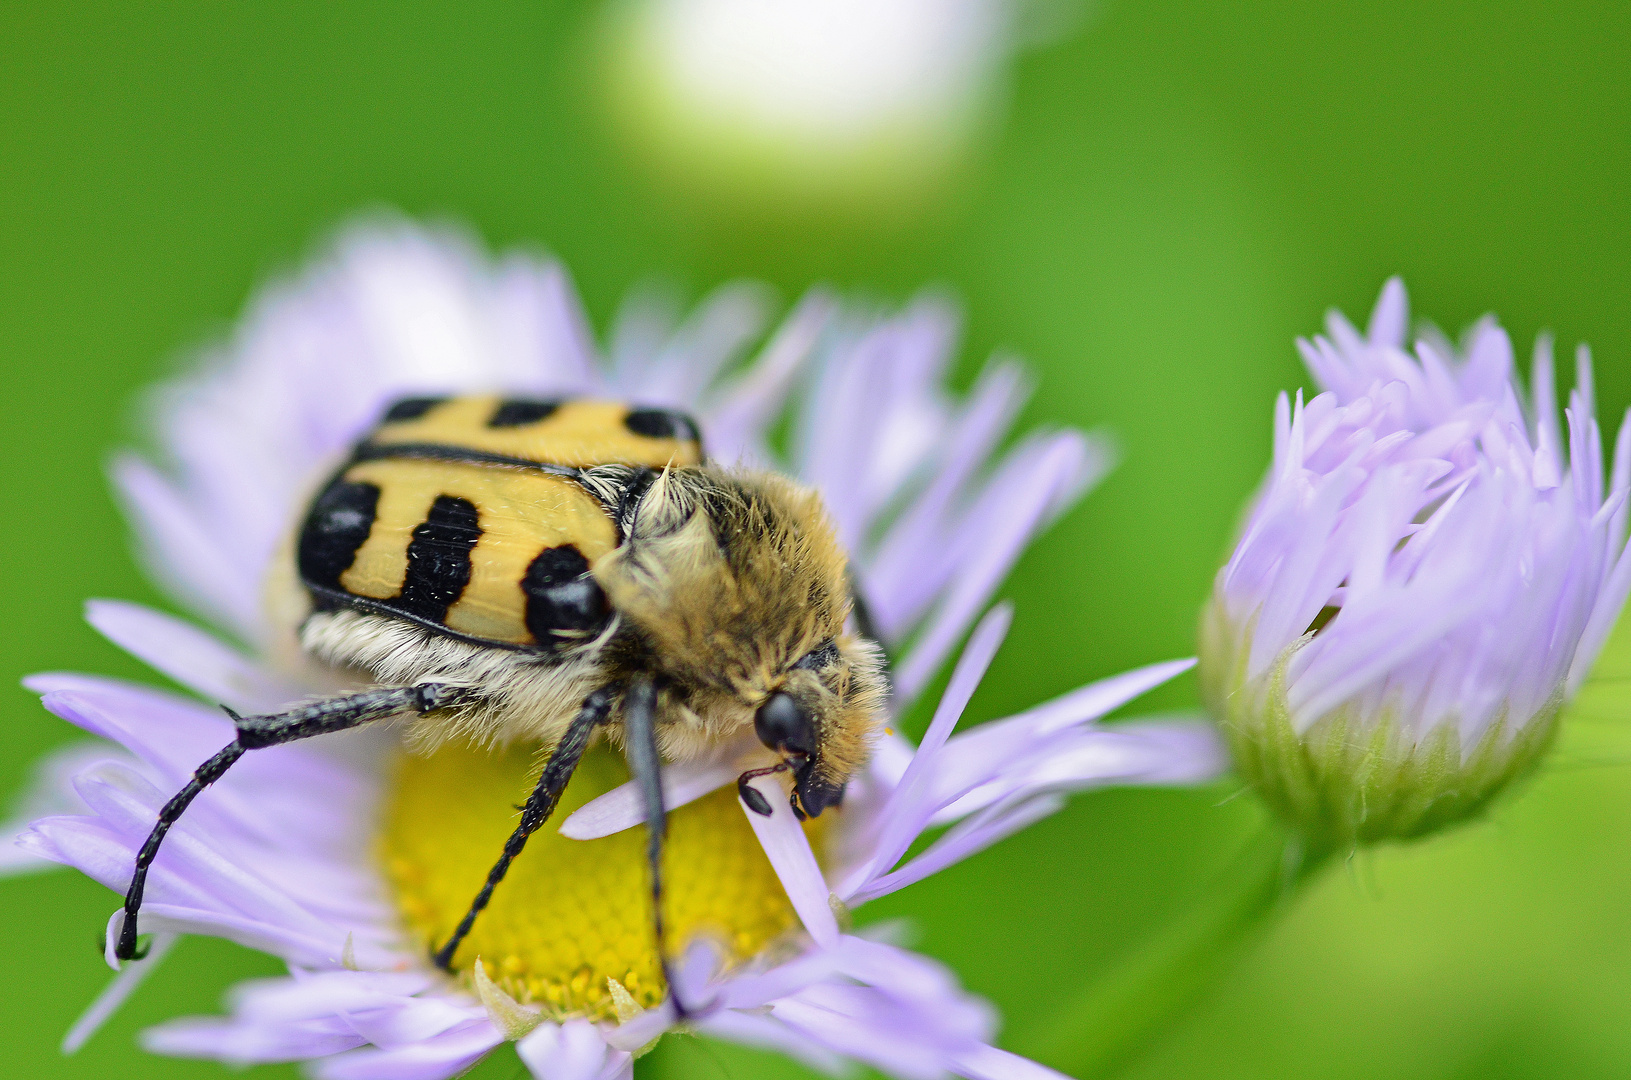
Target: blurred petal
[(573, 1050), (186, 654), (437, 1058), (989, 1063), (48, 793)]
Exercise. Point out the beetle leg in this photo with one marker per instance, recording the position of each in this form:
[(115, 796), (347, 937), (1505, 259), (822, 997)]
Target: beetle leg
[(539, 805), (254, 732), (640, 735)]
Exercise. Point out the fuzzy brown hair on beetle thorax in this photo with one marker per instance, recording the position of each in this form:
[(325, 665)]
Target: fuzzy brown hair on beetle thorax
[(736, 583)]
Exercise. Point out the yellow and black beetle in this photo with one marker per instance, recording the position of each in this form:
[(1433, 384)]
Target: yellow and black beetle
[(551, 571)]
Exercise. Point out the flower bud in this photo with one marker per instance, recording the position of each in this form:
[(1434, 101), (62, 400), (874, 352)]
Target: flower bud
[(1422, 582)]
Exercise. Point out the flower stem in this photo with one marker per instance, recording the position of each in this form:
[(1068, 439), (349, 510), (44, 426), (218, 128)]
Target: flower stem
[(1104, 1025)]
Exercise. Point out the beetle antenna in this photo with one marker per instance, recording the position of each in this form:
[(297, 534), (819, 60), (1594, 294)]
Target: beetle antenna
[(751, 795)]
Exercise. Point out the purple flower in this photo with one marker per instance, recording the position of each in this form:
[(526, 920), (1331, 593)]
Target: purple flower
[(316, 851), (1425, 578)]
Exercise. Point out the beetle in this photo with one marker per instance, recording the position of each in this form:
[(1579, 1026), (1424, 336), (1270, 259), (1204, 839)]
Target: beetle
[(515, 569)]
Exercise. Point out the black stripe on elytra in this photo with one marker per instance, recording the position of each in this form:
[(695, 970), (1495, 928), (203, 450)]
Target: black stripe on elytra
[(369, 451), (662, 424), (517, 412), (338, 524), (410, 409), (332, 599), (564, 603), (439, 558)]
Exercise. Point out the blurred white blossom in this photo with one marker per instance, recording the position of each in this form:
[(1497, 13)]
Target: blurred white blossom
[(829, 99)]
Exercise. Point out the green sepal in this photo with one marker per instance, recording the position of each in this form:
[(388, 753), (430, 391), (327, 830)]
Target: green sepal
[(1350, 780)]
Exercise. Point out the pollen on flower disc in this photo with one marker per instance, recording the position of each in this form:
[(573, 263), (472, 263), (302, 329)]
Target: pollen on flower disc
[(571, 913)]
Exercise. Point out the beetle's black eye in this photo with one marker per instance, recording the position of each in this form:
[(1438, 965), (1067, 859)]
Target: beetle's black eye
[(783, 725)]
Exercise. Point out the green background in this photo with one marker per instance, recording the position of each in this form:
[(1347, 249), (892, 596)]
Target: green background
[(1179, 190)]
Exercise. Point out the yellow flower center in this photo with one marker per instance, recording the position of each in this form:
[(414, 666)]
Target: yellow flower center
[(570, 914)]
